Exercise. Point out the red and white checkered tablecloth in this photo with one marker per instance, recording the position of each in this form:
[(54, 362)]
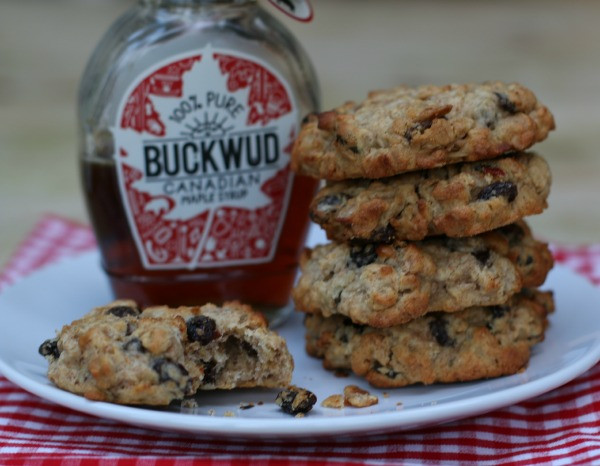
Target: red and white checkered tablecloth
[(559, 427)]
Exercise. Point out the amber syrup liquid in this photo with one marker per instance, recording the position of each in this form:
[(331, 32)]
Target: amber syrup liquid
[(266, 286)]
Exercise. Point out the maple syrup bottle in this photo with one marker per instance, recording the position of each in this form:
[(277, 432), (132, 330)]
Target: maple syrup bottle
[(187, 113)]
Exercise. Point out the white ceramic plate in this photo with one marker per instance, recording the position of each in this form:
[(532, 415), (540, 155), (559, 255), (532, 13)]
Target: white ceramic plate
[(35, 307)]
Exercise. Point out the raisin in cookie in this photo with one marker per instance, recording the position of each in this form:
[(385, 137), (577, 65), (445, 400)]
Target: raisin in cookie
[(475, 343), (382, 285), (457, 200), (120, 354), (406, 129)]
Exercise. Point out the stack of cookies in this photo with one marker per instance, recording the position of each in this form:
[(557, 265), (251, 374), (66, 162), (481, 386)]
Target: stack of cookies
[(431, 272)]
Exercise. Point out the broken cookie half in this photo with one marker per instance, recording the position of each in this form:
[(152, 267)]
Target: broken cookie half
[(121, 354)]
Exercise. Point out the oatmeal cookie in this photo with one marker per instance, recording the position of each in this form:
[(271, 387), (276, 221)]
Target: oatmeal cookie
[(382, 285), (122, 354), (475, 343), (406, 129), (457, 200)]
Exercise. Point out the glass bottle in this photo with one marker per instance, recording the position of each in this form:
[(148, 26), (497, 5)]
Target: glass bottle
[(187, 113)]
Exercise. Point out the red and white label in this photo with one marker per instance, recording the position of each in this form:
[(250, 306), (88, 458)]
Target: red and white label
[(203, 145)]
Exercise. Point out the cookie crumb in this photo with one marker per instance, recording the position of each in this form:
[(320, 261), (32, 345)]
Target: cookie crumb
[(244, 405), (358, 398), (211, 412), (260, 403), (386, 395), (229, 414), (333, 401), (341, 373), (294, 400), (189, 403)]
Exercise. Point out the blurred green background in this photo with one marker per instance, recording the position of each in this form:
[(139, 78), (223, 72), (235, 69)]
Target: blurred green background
[(553, 47)]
